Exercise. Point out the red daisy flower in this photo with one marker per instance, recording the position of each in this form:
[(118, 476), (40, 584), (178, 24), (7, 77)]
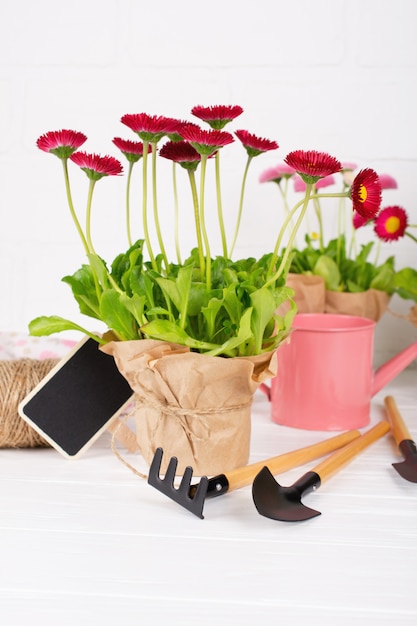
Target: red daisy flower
[(218, 115), (205, 141), (62, 143), (275, 174), (391, 223), (366, 193), (312, 165), (150, 127), (96, 166), (181, 152), (255, 145), (133, 150)]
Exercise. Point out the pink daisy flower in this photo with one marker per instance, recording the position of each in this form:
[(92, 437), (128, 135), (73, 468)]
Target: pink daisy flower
[(206, 142), (358, 220), (133, 150), (218, 115), (255, 145), (366, 193), (181, 152), (62, 143), (312, 165), (348, 166), (96, 166), (391, 223), (276, 173), (387, 181), (150, 127), (299, 184)]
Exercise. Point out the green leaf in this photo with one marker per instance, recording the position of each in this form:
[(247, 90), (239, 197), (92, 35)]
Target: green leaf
[(327, 268), (127, 265), (116, 316), (353, 287), (178, 290), (135, 304), (99, 268), (264, 305), (384, 280), (44, 325), (210, 313), (166, 330), (244, 334), (406, 283), (84, 291)]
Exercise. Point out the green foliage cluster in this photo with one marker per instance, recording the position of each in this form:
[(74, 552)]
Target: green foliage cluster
[(341, 272), (237, 316)]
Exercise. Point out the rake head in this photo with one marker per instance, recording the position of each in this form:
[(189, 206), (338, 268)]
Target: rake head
[(191, 497)]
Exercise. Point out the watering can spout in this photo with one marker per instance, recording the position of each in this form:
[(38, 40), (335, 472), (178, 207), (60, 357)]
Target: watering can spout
[(389, 370)]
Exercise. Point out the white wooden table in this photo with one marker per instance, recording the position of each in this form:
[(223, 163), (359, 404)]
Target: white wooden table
[(87, 542)]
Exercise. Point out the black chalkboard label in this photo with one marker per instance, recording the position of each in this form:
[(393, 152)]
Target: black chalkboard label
[(77, 400)]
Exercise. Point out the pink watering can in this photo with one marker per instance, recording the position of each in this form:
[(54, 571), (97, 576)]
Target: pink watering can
[(325, 379)]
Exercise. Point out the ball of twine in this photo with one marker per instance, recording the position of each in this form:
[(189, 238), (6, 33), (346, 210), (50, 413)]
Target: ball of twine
[(17, 379)]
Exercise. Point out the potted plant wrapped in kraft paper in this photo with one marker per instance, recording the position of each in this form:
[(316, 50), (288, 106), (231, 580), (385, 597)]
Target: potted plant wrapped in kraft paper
[(194, 335), (339, 275)]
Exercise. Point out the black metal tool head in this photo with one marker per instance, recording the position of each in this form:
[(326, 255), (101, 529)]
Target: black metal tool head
[(283, 503), (407, 468), (189, 496)]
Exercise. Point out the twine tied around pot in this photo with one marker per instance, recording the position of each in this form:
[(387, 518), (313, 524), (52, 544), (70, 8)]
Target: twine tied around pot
[(17, 379)]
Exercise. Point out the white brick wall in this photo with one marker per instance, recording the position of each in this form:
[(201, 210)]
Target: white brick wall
[(334, 75)]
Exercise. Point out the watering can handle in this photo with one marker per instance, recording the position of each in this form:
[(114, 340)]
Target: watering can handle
[(389, 370), (266, 389), (338, 459)]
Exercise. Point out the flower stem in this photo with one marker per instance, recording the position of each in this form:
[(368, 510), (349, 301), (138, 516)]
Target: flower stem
[(203, 222), (155, 206), (176, 212), (377, 252), (90, 243), (129, 176), (288, 247), (145, 204), (341, 194), (191, 176), (410, 235), (281, 233), (71, 206), (242, 194), (341, 225), (317, 209), (219, 204), (88, 216)]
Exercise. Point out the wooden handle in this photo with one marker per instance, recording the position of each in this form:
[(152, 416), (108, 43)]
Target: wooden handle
[(244, 475), (342, 456), (398, 426)]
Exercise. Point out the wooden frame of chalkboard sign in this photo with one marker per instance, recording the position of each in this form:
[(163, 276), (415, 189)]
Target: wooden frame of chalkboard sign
[(77, 400)]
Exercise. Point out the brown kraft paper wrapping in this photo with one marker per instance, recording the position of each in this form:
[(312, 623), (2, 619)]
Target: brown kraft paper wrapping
[(309, 292), (194, 406), (371, 303)]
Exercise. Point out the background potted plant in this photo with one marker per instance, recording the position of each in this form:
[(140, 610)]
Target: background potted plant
[(339, 275), (193, 337)]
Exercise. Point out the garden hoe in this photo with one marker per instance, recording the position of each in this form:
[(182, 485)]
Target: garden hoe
[(407, 468), (284, 503), (192, 497)]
